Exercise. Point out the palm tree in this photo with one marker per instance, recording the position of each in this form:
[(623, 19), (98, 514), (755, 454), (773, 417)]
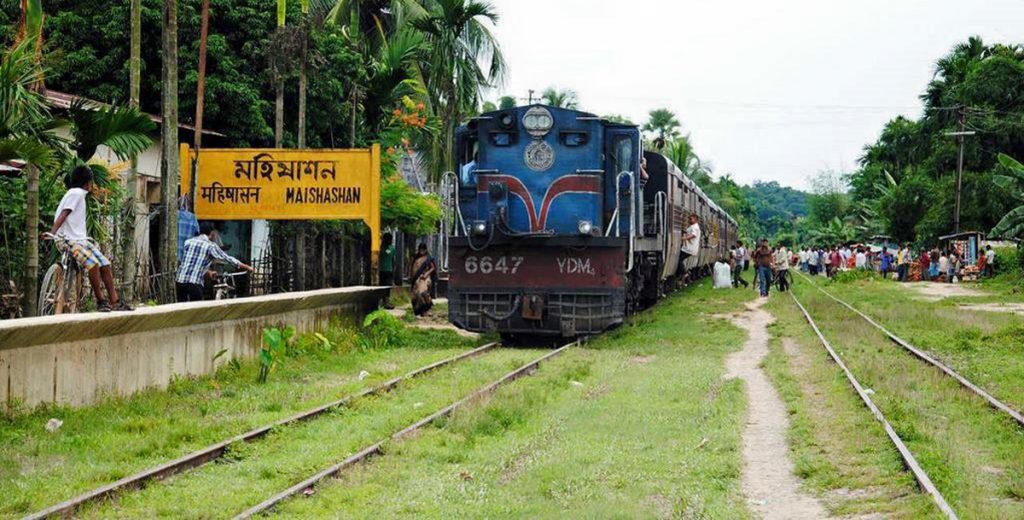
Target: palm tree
[(364, 17), (563, 98), (393, 73), (459, 41), (663, 123), (1012, 224), (23, 117), (680, 152)]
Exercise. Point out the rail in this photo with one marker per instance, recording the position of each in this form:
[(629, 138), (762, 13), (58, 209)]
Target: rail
[(377, 447), (908, 457), (920, 354), (215, 451)]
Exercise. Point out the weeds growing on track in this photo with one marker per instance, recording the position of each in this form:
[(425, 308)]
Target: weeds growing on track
[(637, 423), (985, 347), (971, 451), (99, 444), (253, 472)]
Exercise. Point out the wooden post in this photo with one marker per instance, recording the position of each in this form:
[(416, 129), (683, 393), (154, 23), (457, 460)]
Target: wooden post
[(129, 248), (169, 160), (32, 243)]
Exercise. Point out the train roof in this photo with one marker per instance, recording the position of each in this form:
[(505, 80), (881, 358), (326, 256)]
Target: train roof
[(689, 183), (579, 114)]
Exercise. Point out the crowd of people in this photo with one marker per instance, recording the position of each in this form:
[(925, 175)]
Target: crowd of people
[(772, 264)]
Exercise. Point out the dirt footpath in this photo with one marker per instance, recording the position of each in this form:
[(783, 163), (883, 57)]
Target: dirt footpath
[(771, 488)]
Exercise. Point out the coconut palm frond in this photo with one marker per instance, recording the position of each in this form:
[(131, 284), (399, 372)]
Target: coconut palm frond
[(125, 130)]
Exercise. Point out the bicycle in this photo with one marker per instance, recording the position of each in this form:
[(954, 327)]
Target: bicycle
[(224, 285), (64, 287)]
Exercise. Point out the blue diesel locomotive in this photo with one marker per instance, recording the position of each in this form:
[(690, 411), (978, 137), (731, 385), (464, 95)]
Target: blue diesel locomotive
[(557, 230)]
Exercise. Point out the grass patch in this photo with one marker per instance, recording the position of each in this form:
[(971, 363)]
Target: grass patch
[(970, 451), (123, 435), (837, 447), (638, 423), (985, 347)]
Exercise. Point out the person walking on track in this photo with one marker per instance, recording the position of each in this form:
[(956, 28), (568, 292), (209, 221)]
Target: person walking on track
[(763, 262), (739, 254)]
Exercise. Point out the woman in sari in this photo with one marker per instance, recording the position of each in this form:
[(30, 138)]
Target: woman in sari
[(424, 272)]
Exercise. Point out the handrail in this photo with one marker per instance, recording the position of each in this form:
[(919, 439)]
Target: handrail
[(632, 213), (660, 216)]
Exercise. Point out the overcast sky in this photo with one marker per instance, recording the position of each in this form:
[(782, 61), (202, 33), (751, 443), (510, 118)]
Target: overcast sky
[(768, 89)]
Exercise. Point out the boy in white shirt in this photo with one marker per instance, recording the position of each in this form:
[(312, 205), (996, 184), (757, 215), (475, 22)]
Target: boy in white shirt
[(691, 244), (69, 230)]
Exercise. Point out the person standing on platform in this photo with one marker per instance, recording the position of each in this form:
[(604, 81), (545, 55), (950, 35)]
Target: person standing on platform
[(197, 256), (387, 265)]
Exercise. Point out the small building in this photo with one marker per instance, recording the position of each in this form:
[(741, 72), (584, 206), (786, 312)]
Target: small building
[(967, 245)]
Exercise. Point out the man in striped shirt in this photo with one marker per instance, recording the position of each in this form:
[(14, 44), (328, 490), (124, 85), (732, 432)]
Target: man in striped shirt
[(197, 256)]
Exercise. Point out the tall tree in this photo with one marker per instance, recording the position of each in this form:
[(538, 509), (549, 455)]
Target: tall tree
[(663, 123), (30, 33), (278, 71), (129, 249), (169, 162), (459, 42), (563, 98)]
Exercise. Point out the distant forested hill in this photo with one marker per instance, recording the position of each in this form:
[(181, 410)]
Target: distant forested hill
[(776, 205)]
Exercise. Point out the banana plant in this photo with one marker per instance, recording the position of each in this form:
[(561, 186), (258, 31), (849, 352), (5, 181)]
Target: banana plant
[(1012, 182)]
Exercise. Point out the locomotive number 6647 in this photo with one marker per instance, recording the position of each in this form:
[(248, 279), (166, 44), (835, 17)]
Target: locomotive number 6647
[(488, 265)]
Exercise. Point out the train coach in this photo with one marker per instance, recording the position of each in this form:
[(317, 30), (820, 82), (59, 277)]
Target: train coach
[(557, 230)]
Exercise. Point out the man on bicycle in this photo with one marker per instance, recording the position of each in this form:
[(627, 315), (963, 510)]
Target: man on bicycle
[(198, 254), (69, 230)]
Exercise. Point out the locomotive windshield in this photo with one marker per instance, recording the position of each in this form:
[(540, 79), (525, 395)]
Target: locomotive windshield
[(468, 154)]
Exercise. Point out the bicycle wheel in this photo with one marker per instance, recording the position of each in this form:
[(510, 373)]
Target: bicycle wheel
[(51, 292)]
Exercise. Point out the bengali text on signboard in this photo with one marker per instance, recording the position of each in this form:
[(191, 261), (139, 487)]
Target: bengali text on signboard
[(283, 184)]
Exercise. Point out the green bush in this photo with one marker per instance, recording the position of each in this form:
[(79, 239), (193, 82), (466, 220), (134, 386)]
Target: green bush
[(381, 330), (854, 275)]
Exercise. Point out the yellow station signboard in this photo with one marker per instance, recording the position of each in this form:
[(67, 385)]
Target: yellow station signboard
[(286, 184)]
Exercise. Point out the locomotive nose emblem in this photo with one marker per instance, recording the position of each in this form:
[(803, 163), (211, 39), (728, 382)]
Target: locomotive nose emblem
[(539, 156)]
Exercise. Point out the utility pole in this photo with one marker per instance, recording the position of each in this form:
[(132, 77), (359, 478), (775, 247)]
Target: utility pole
[(959, 134), (530, 99)]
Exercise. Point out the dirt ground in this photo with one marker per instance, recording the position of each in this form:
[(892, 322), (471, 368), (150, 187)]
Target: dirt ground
[(932, 291), (771, 488)]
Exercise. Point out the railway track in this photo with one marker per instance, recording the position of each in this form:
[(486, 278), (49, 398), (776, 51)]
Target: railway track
[(924, 356), (214, 451), (908, 457), (375, 448)]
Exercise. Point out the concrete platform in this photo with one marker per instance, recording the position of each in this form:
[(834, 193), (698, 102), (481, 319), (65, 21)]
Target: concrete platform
[(77, 359)]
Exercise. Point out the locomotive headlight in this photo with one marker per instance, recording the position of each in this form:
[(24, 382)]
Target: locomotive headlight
[(538, 121), (479, 227), (585, 227)]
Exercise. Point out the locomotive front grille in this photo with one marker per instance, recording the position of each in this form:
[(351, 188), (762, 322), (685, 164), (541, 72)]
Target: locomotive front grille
[(564, 313)]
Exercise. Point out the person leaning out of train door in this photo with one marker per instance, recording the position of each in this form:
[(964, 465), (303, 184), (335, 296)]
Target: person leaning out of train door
[(691, 246)]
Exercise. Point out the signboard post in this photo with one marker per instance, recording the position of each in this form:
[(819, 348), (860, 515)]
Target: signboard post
[(287, 184)]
